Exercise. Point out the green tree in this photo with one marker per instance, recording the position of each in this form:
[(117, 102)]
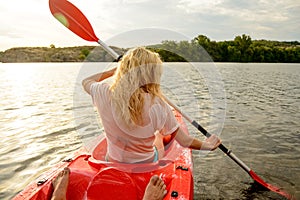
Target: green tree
[(84, 54), (242, 44), (203, 41)]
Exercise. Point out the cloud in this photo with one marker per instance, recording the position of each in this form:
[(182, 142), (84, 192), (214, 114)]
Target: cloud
[(133, 1), (203, 6), (259, 18), (30, 23)]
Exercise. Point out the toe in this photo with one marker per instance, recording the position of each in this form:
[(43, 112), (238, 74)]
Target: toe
[(154, 180), (66, 171)]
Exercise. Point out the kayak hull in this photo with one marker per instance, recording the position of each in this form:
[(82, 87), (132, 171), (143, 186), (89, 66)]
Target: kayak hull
[(93, 178)]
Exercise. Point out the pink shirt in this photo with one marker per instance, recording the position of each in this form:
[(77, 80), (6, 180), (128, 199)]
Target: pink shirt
[(132, 145)]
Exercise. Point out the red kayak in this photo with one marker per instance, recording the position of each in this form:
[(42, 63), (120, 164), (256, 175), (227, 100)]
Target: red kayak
[(93, 178)]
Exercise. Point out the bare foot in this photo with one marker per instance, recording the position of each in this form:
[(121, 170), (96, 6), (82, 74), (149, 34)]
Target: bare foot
[(156, 189), (60, 185)]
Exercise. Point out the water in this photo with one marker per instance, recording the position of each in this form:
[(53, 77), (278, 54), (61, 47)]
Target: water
[(262, 128), (43, 121)]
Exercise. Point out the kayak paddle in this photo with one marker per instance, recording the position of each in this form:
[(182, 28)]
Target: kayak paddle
[(71, 17)]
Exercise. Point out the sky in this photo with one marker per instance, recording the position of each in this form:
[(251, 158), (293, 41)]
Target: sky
[(30, 23)]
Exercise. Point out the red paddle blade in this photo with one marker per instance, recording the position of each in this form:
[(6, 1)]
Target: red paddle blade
[(268, 186), (72, 18)]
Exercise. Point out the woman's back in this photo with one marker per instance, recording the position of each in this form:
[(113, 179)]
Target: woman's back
[(132, 144)]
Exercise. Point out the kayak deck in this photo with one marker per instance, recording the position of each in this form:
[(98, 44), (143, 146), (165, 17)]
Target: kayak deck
[(93, 178)]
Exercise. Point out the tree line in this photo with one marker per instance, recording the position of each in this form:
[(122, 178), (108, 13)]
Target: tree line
[(199, 49), (241, 49)]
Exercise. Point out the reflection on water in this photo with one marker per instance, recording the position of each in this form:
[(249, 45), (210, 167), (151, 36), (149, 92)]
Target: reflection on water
[(36, 121), (45, 116)]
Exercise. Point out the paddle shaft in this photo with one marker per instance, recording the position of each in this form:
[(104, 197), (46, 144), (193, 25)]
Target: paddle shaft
[(228, 152), (109, 50), (207, 134)]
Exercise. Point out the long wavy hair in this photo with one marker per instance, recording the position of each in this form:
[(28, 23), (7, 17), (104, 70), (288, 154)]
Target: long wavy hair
[(138, 72)]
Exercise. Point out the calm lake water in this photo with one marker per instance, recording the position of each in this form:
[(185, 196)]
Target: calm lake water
[(45, 116)]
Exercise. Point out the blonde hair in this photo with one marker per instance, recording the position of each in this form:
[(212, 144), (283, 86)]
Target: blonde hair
[(139, 72)]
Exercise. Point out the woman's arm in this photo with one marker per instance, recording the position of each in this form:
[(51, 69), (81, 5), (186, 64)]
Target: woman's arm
[(185, 140), (87, 82)]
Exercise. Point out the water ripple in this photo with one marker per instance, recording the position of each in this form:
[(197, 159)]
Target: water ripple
[(42, 122)]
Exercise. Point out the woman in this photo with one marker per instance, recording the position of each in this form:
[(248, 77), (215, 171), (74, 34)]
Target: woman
[(134, 115)]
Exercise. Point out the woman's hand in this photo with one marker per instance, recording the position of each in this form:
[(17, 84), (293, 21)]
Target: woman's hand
[(185, 140), (211, 143)]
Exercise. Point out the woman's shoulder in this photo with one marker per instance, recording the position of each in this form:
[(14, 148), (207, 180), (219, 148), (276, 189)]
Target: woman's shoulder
[(100, 89), (100, 86), (155, 101)]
